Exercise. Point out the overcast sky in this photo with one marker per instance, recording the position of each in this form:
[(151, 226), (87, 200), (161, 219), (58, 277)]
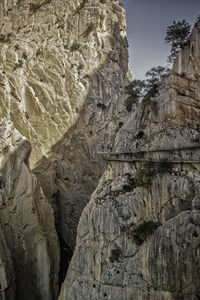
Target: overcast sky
[(147, 21)]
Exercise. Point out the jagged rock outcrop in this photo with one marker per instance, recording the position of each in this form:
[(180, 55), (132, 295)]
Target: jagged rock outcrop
[(138, 238), (72, 171), (49, 51), (29, 250), (63, 68)]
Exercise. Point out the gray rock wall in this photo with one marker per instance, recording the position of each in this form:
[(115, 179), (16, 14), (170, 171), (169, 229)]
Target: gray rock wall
[(138, 238), (63, 68), (29, 250), (7, 276), (71, 172)]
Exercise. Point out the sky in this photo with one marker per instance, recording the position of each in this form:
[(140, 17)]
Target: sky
[(147, 21)]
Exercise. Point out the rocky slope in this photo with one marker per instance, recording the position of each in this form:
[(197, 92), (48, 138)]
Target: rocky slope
[(138, 238), (29, 252)]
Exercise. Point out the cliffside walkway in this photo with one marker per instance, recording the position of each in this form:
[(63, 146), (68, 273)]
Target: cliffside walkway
[(127, 156)]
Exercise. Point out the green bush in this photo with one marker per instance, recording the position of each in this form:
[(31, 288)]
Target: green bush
[(152, 83), (144, 175), (130, 101), (134, 89), (144, 91), (176, 36)]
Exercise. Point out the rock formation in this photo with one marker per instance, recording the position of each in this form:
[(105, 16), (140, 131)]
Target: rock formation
[(49, 51), (63, 68), (71, 172), (63, 72), (138, 238), (7, 276), (29, 252)]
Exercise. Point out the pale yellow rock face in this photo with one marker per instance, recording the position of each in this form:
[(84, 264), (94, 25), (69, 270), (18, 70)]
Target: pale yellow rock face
[(48, 52), (10, 140)]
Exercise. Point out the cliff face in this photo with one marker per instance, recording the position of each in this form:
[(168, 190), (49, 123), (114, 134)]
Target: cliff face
[(63, 68), (72, 171), (7, 276), (49, 51), (138, 238), (29, 252)]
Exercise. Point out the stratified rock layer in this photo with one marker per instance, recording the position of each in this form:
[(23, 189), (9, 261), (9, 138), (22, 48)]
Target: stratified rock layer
[(138, 238), (29, 254)]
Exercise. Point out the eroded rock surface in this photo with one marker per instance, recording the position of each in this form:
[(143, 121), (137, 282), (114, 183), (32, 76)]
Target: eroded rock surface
[(138, 238), (49, 51), (71, 173), (29, 254), (63, 68)]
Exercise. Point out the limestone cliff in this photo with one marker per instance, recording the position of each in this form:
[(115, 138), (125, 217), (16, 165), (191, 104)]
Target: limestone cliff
[(72, 170), (138, 238), (29, 252), (63, 68), (49, 51)]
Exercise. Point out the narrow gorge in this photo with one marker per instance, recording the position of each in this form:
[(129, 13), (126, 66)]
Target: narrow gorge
[(75, 223)]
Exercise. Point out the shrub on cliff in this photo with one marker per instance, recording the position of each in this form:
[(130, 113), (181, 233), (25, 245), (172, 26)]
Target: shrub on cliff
[(135, 92), (176, 36), (144, 90), (152, 83)]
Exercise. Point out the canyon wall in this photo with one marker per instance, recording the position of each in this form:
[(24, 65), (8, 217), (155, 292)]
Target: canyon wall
[(29, 250), (138, 238), (63, 73), (63, 69), (49, 51), (71, 172)]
